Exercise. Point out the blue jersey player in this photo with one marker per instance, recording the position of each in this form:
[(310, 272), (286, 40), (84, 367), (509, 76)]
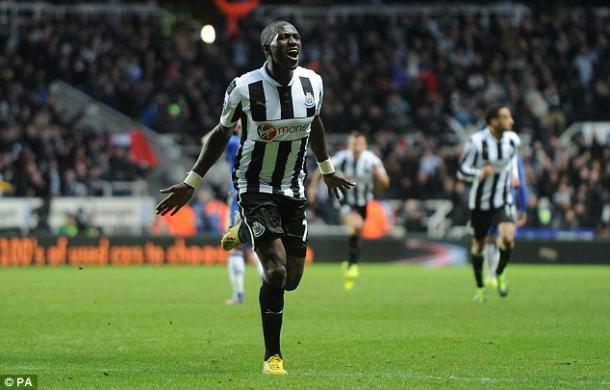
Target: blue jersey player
[(492, 254), (236, 262)]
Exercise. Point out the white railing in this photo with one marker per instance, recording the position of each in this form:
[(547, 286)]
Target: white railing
[(436, 210), (98, 116), (114, 215), (598, 131), (12, 9), (303, 14)]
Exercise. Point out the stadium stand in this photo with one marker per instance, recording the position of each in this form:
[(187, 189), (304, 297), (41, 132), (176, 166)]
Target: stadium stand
[(417, 86)]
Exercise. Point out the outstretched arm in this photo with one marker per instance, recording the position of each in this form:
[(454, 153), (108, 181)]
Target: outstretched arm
[(334, 182), (179, 194), (211, 150)]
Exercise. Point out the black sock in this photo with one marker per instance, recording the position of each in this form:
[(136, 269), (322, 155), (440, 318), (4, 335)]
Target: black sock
[(354, 249), (477, 266), (504, 258), (272, 305)]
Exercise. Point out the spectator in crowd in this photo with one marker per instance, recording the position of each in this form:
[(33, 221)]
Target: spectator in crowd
[(418, 83), (212, 214)]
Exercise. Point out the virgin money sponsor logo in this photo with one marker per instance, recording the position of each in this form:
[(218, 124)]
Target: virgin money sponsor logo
[(268, 132)]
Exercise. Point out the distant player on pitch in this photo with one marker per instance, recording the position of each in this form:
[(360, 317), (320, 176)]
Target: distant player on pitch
[(236, 263), (488, 162), (363, 167), (492, 254), (279, 105)]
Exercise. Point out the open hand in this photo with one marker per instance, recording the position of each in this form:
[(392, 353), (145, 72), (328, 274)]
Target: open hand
[(337, 185), (179, 195)]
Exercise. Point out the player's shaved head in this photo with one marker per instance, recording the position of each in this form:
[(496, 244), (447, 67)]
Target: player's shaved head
[(271, 31)]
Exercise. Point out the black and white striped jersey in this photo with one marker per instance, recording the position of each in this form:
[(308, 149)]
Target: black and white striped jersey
[(359, 171), (276, 122), (495, 191)]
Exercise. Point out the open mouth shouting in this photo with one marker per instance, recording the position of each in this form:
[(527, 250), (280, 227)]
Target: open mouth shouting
[(293, 53)]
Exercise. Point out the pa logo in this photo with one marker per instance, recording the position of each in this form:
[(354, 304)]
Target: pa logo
[(257, 229), (309, 100)]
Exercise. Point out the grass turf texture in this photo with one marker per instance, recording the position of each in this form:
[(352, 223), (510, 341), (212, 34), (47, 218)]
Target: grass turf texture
[(401, 327)]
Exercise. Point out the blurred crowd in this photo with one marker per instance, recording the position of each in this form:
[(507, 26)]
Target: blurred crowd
[(43, 153), (568, 185), (416, 85)]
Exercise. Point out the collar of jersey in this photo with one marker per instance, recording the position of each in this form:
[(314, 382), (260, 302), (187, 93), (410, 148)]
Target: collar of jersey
[(492, 136), (270, 79)]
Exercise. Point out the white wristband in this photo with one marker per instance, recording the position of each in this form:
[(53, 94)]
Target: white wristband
[(326, 167), (193, 179)]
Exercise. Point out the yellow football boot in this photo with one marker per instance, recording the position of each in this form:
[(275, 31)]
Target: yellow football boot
[(350, 274), (231, 240), (479, 295), (274, 366)]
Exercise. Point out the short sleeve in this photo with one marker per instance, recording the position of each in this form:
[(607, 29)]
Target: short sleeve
[(376, 161), (231, 108), (518, 142), (377, 164), (468, 170)]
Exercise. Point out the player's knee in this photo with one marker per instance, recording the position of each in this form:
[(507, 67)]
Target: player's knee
[(275, 275), (506, 243), (476, 247)]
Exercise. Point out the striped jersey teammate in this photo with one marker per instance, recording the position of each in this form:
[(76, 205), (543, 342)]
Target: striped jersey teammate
[(488, 162), (492, 255), (236, 263), (279, 105), (365, 168)]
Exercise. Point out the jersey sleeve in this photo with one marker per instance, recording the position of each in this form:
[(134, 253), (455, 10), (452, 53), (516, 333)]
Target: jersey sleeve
[(378, 164), (231, 108), (468, 170), (516, 140)]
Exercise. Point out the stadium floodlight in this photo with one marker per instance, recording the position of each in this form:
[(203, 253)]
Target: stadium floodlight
[(208, 34)]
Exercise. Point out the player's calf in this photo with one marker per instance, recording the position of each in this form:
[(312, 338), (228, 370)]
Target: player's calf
[(476, 255), (354, 248), (505, 245)]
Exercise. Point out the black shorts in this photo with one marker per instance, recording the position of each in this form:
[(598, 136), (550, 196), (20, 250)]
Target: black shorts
[(481, 220), (346, 208), (270, 216)]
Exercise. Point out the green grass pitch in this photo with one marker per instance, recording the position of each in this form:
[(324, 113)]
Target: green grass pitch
[(402, 327)]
